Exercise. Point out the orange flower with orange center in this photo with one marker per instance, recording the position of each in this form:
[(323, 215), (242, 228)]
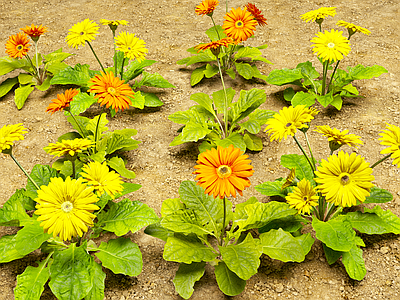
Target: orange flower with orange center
[(256, 14), (223, 171), (239, 24), (62, 101), (206, 7), (215, 46), (111, 91), (34, 31), (17, 45)]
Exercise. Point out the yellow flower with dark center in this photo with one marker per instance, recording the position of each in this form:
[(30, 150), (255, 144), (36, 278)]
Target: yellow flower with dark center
[(111, 91), (102, 179), (65, 207), (391, 137), (223, 171), (113, 22), (288, 121), (206, 7), (339, 138), (34, 31), (9, 134), (303, 197), (17, 45), (319, 14), (353, 28), (68, 147), (131, 46), (344, 179), (258, 16), (62, 101), (81, 33), (331, 45), (239, 24)]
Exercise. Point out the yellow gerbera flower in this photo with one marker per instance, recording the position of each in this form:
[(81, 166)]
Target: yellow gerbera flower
[(81, 33), (223, 171), (344, 179), (353, 28), (206, 7), (68, 147), (34, 31), (339, 138), (288, 121), (303, 197), (319, 14), (239, 24), (111, 91), (391, 138), (113, 22), (65, 207), (331, 45), (131, 46), (9, 134), (17, 45), (102, 179)]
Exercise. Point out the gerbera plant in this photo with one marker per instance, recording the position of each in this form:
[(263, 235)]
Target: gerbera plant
[(225, 52), (334, 84), (39, 69), (322, 192), (201, 227), (62, 212), (111, 84)]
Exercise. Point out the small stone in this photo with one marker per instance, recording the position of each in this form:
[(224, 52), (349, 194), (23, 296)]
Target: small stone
[(279, 288), (384, 250)]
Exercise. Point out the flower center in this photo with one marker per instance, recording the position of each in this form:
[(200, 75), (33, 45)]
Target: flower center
[(66, 206), (224, 171), (239, 24), (82, 33), (288, 125), (20, 47), (111, 90), (331, 45), (344, 178), (305, 198)]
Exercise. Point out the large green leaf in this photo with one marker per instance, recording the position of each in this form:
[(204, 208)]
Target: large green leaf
[(8, 64), (243, 259), (13, 211), (158, 231), (392, 222), (240, 215), (271, 188), (253, 142), (300, 163), (118, 164), (136, 68), (121, 256), (289, 224), (33, 233), (186, 221), (325, 100), (204, 100), (228, 282), (245, 70), (378, 195), (79, 124), (247, 103), (284, 76), (7, 85), (336, 234), (30, 284), (193, 132), (99, 277), (78, 75), (151, 99), (97, 125), (354, 263), (7, 249), (308, 71), (281, 245), (219, 99), (24, 78), (306, 241), (211, 70), (169, 206), (205, 56), (71, 273), (216, 33), (248, 52), (301, 98), (116, 141), (234, 139), (187, 250), (138, 100), (21, 94), (126, 216), (154, 80), (81, 103), (256, 119), (186, 277), (360, 72), (331, 255), (41, 174), (197, 75), (368, 223)]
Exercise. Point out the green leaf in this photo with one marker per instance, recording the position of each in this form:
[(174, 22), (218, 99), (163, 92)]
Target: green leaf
[(216, 33), (34, 234), (197, 75), (187, 250), (289, 224), (99, 277), (45, 84), (138, 100), (83, 122), (155, 80), (281, 245), (7, 249), (219, 99), (301, 98), (284, 76), (325, 100), (331, 255), (186, 221), (308, 71), (121, 256), (368, 223), (300, 163), (231, 73), (204, 100), (183, 61), (337, 102), (203, 56), (228, 282), (193, 132), (78, 75), (126, 216), (360, 72), (211, 70), (354, 263), (245, 70), (288, 94), (41, 174), (186, 277), (242, 259), (306, 241), (96, 126), (169, 206), (13, 211), (271, 188), (118, 164), (55, 67), (336, 234), (253, 142), (248, 52), (378, 195), (24, 78), (158, 231), (81, 103), (247, 103), (7, 85), (351, 89), (71, 275), (116, 141), (8, 64), (151, 99), (392, 222), (136, 68), (234, 139), (30, 284), (21, 94)]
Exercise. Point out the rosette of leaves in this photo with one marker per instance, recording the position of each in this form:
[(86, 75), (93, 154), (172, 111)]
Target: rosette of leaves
[(191, 227), (338, 234), (80, 75), (52, 64), (202, 122), (236, 58), (70, 268), (307, 78)]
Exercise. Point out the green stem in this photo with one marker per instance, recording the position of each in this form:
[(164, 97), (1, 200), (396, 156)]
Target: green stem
[(37, 61), (122, 67), (331, 210), (215, 27), (223, 223), (324, 74), (304, 153), (309, 149), (33, 67), (333, 74), (225, 100), (77, 123), (321, 208), (23, 170), (97, 129), (226, 5), (73, 169), (381, 160), (98, 60), (115, 54)]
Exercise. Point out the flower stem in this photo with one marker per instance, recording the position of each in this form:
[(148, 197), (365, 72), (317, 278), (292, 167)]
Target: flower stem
[(225, 101), (333, 74), (33, 67), (223, 223), (23, 170), (331, 210), (98, 60), (122, 68), (381, 160), (309, 149), (37, 61), (115, 54), (324, 74), (76, 121), (73, 169), (304, 153)]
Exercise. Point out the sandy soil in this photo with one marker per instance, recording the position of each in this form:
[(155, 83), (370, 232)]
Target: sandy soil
[(170, 27)]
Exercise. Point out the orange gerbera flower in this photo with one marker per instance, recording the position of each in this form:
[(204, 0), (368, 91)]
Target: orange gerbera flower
[(111, 91), (223, 171), (62, 101), (34, 31), (214, 45), (206, 7), (256, 14), (17, 45), (239, 24)]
